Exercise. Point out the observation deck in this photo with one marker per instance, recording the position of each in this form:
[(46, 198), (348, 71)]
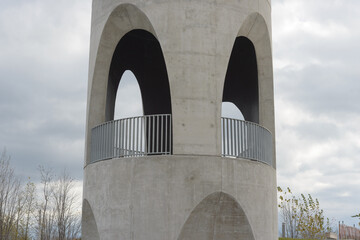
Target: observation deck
[(152, 135)]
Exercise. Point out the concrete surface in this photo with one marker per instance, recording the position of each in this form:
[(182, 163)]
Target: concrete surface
[(155, 198), (159, 197)]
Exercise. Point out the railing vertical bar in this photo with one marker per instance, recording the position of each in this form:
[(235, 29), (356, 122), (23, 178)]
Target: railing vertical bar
[(253, 140), (112, 147), (137, 137), (106, 135), (101, 142), (141, 136), (157, 134), (133, 137), (122, 137), (93, 146), (237, 139), (231, 137), (227, 137), (115, 139), (98, 143), (153, 135), (166, 134), (125, 136), (107, 142), (255, 143), (170, 135), (149, 134), (245, 139), (162, 134), (119, 138), (223, 136)]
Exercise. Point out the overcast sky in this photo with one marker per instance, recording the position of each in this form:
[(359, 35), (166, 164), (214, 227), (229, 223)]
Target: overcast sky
[(43, 83)]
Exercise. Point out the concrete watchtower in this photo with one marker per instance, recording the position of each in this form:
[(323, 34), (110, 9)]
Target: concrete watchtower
[(181, 171)]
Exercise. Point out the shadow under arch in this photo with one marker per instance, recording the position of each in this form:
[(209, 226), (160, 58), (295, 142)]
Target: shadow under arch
[(241, 81), (140, 52), (217, 217), (89, 226)]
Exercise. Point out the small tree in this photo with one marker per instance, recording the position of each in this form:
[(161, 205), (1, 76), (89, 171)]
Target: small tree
[(302, 216), (312, 223), (357, 216), (289, 212)]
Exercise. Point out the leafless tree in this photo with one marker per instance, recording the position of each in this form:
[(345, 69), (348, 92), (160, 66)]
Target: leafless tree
[(9, 198), (45, 217), (65, 200), (29, 206), (57, 216), (54, 215)]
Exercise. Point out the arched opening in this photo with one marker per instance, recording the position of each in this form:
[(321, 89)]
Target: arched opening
[(241, 81), (218, 217), (128, 101), (140, 52)]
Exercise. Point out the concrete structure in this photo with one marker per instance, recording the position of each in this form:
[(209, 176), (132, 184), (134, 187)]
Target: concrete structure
[(188, 57)]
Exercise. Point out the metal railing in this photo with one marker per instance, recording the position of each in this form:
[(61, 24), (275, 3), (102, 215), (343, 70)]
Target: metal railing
[(130, 137), (242, 139)]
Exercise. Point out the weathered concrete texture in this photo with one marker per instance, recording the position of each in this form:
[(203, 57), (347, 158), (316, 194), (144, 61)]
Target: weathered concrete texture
[(89, 227), (218, 216), (156, 197), (159, 197), (196, 38)]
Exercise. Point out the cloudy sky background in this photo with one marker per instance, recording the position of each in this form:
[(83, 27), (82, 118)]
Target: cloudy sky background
[(43, 84)]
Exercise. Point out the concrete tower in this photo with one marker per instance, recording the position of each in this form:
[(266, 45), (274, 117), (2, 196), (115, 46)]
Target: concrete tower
[(181, 171)]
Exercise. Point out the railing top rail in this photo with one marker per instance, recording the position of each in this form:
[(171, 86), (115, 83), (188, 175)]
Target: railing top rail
[(248, 122), (132, 137), (122, 119), (244, 139)]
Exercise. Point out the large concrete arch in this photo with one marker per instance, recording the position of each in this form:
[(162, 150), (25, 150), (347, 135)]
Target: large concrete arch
[(123, 19), (89, 226), (256, 30), (217, 217)]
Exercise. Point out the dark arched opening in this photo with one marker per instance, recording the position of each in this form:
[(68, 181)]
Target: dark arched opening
[(140, 52), (241, 81)]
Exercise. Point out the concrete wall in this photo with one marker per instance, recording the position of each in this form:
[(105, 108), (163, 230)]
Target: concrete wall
[(153, 197), (197, 38)]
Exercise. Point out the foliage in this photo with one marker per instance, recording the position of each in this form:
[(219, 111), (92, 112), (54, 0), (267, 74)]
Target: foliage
[(294, 239), (302, 216), (289, 212), (357, 216)]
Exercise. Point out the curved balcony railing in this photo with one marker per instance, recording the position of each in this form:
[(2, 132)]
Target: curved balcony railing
[(131, 137), (242, 139)]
